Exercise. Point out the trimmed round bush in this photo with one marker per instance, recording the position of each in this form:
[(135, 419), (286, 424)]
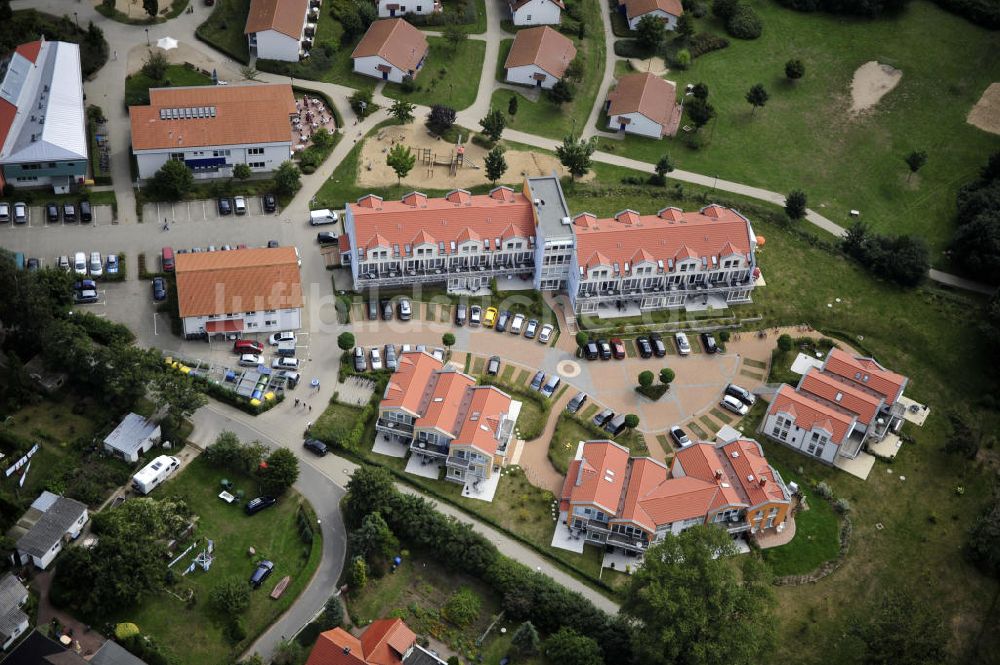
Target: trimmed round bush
[(744, 23)]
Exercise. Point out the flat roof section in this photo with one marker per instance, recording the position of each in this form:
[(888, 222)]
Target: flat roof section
[(551, 208)]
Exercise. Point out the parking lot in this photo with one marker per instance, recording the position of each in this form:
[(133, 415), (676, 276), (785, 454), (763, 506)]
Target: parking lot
[(102, 216), (203, 210)]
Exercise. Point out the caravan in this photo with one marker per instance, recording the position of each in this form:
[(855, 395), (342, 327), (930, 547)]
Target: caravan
[(154, 473)]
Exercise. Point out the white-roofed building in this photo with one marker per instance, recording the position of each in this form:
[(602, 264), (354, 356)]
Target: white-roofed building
[(43, 135), (133, 437)]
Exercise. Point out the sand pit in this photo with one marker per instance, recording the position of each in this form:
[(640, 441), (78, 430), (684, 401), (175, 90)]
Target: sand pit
[(374, 172), (986, 113), (871, 81), (655, 66)]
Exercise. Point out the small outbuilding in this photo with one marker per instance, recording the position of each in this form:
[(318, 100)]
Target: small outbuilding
[(644, 104), (13, 620), (539, 57), (391, 50), (48, 523), (134, 436)]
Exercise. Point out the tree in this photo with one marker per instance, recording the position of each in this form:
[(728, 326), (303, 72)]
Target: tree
[(231, 596), (915, 160), (744, 23), (512, 106), (462, 607), (896, 629), (685, 26), (402, 111), (242, 172), (359, 573), (455, 35), (441, 118), (179, 393), (982, 544), (646, 378), (322, 138), (632, 420), (757, 96), (575, 155), (370, 489), (493, 124), (785, 343), (795, 204), (287, 179), (249, 73), (723, 9), (374, 538), (6, 13), (582, 338), (173, 180), (688, 583), (155, 66), (664, 166), (278, 472), (794, 69), (333, 613), (151, 7), (361, 103), (700, 91), (525, 641), (683, 59), (667, 375), (699, 112), (976, 246), (649, 32), (562, 92), (288, 652), (448, 340), (496, 164), (402, 160), (568, 646), (345, 341)]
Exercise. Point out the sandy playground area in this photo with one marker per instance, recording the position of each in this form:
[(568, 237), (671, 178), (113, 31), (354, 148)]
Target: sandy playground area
[(872, 81), (374, 172), (986, 113)]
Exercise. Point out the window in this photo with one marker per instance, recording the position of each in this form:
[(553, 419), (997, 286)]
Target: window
[(253, 151), (220, 153), (256, 165), (27, 178), (177, 156)]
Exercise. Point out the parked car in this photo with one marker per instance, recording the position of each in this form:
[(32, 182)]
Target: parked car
[(244, 345), (577, 402), (616, 425), (372, 310), (386, 305), (531, 329), (225, 206), (249, 360), (475, 315), (260, 503), (272, 244), (63, 263), (86, 214), (603, 417), (605, 349), (327, 238), (316, 446), (645, 348), (591, 351), (708, 341), (80, 263), (490, 318), (493, 366), (405, 310), (85, 296), (742, 394), (262, 572), (69, 212), (617, 348), (52, 212), (84, 284), (4, 211), (240, 205), (551, 385), (111, 267), (270, 203), (536, 383), (545, 334), (438, 353), (461, 313), (734, 405), (96, 264), (376, 357), (517, 324), (679, 436), (391, 362), (159, 289), (167, 259), (277, 338), (285, 363), (291, 378), (659, 348), (20, 213), (683, 346), (360, 363), (502, 321)]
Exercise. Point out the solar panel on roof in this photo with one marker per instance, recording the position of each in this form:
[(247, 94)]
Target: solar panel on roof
[(211, 110), (163, 114)]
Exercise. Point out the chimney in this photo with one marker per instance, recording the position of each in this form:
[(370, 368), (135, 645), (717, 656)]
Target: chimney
[(347, 650), (763, 481), (718, 474)]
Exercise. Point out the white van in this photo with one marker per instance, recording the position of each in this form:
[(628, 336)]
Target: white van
[(154, 473), (320, 217)]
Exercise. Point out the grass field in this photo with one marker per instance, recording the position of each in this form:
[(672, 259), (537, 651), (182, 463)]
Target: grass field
[(571, 431), (137, 85), (450, 75), (806, 135), (224, 28), (198, 633)]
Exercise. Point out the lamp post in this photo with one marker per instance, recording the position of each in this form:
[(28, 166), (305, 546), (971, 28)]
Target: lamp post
[(147, 37), (76, 17)]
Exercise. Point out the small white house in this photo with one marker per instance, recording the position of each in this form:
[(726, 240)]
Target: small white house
[(275, 29), (154, 473), (643, 104), (666, 10), (134, 436), (394, 8), (539, 57), (49, 522), (13, 621), (535, 12), (391, 50)]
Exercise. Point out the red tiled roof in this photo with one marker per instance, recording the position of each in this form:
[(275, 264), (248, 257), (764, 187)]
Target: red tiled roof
[(866, 372), (809, 413), (329, 649), (29, 50), (481, 419), (702, 461), (635, 8), (284, 16), (544, 47), (679, 499), (666, 236), (241, 280), (599, 476), (395, 41), (253, 113), (751, 469), (645, 94), (440, 408), (841, 392), (645, 475), (384, 642), (502, 213), (406, 386), (7, 114)]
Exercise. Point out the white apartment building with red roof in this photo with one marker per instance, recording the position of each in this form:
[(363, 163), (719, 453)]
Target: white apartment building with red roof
[(625, 504), (838, 408)]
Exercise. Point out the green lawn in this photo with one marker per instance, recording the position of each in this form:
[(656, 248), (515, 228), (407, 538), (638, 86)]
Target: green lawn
[(137, 85), (570, 431), (806, 135), (450, 75), (198, 633), (224, 28), (545, 118)]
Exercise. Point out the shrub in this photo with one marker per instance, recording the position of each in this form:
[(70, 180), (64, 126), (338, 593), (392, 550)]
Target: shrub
[(408, 85), (361, 103), (231, 597), (682, 59), (843, 506), (744, 23), (646, 378), (462, 608), (236, 630), (823, 490), (785, 343), (706, 42)]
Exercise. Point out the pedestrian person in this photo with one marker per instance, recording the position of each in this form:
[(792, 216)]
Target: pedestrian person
[(310, 408), (296, 401), (116, 54)]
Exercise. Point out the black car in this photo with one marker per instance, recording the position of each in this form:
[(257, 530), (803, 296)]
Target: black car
[(225, 206), (326, 238), (386, 306), (742, 394), (262, 572), (461, 313), (591, 351), (502, 321), (536, 383), (603, 417), (270, 203), (272, 243), (616, 425), (315, 445), (659, 348), (679, 436), (708, 341), (52, 212), (159, 289), (86, 214), (254, 506), (605, 348), (85, 284), (645, 348), (493, 366), (372, 310)]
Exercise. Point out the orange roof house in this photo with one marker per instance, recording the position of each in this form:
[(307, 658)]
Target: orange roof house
[(643, 104), (539, 55), (284, 16), (391, 49), (383, 642), (667, 10)]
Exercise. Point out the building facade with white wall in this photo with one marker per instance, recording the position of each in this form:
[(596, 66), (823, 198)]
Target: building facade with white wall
[(394, 8), (536, 12), (276, 29), (391, 50)]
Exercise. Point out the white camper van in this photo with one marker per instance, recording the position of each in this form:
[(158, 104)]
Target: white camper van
[(154, 473)]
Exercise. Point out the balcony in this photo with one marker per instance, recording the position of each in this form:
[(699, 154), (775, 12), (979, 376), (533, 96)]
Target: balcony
[(634, 544), (404, 276), (400, 429), (430, 449), (454, 462)]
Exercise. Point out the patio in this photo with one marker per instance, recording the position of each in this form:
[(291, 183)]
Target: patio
[(312, 115), (915, 413), (859, 467), (482, 489), (887, 447), (390, 448), (421, 466), (618, 560), (564, 539)]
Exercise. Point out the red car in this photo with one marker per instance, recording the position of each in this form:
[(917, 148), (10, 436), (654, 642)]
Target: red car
[(247, 346), (617, 348)]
